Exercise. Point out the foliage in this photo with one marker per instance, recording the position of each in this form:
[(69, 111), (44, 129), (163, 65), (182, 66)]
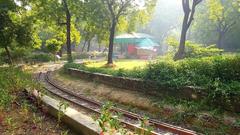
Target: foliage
[(62, 107), (218, 75), (12, 81), (53, 45), (194, 50), (107, 121), (18, 54), (219, 25), (16, 29), (53, 31), (58, 13), (147, 129)]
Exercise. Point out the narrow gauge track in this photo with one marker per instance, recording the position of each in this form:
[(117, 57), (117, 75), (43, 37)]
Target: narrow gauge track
[(130, 120)]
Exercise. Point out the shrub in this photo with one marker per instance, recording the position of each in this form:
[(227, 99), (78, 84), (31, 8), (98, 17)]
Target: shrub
[(160, 71), (53, 45), (42, 57), (12, 81), (227, 68), (200, 72), (17, 55)]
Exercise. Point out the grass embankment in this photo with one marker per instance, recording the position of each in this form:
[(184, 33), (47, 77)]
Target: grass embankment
[(17, 114), (218, 75)]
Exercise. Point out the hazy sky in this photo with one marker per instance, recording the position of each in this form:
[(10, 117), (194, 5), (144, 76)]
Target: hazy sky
[(166, 18)]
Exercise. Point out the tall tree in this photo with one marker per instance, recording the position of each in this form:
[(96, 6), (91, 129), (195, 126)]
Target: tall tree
[(224, 15), (15, 29), (68, 27), (187, 20), (59, 12), (93, 22), (203, 30), (115, 9)]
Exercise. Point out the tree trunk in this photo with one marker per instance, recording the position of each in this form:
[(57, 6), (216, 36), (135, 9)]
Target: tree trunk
[(111, 38), (68, 25), (85, 42), (104, 50), (220, 39), (187, 20), (89, 45), (185, 25), (181, 50), (9, 55)]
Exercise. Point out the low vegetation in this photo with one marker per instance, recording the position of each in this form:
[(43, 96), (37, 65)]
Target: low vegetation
[(218, 76), (195, 115), (18, 114), (12, 82)]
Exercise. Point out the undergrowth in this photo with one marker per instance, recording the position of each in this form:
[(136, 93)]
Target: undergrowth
[(12, 82)]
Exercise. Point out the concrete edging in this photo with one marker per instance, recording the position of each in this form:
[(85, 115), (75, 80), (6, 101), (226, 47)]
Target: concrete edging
[(77, 121)]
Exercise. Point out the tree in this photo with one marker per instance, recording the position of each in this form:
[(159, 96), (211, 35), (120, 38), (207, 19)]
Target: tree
[(187, 20), (15, 29), (59, 12), (224, 15), (53, 46), (203, 30), (114, 10)]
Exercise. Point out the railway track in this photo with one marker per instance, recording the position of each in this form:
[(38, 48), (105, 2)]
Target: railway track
[(129, 119)]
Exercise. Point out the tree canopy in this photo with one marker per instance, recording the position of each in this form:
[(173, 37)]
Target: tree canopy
[(16, 29)]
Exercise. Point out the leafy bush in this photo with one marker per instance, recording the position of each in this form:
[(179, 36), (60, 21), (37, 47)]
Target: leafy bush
[(188, 72), (25, 55), (53, 45)]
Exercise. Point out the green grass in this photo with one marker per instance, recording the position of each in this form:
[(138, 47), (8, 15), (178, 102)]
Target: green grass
[(127, 64)]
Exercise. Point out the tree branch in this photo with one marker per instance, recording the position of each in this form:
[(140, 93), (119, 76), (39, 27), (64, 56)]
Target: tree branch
[(194, 4)]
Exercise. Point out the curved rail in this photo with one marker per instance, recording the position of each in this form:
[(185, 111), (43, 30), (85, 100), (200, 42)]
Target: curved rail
[(160, 127)]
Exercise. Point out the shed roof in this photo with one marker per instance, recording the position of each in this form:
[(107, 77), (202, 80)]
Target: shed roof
[(139, 39), (133, 35)]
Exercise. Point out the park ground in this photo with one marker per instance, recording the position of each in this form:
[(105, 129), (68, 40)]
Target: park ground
[(189, 114)]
